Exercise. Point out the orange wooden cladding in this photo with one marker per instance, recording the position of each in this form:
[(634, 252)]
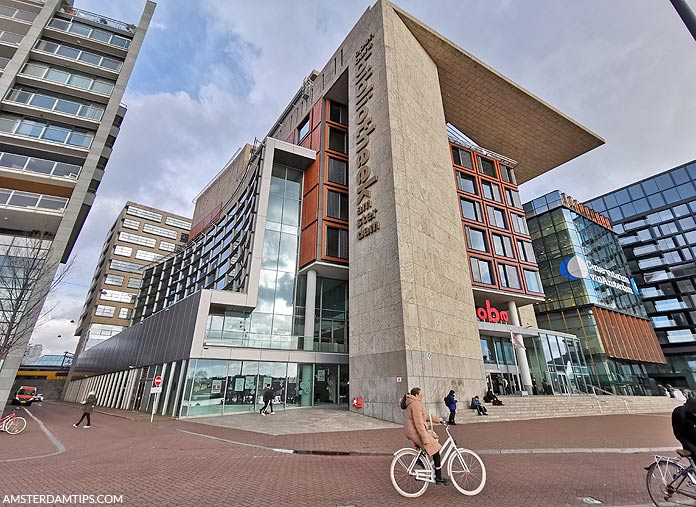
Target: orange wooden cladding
[(315, 119), (626, 337), (308, 245), (310, 207), (311, 177)]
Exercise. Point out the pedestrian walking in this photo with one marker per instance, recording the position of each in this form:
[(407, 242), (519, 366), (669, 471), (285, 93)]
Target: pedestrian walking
[(267, 400), (451, 403), (88, 405), (506, 389)]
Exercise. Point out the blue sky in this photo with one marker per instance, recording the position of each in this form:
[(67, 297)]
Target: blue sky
[(214, 74)]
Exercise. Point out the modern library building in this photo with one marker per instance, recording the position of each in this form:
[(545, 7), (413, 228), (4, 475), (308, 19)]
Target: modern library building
[(374, 240)]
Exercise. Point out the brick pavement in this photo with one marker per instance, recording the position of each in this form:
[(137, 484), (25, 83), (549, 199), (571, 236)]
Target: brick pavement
[(154, 464)]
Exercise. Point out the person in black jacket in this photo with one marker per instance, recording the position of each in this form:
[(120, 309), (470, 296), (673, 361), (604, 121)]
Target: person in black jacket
[(684, 425), (451, 403), (267, 400)]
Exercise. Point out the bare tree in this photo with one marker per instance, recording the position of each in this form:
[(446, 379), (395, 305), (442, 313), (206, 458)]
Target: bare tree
[(27, 271)]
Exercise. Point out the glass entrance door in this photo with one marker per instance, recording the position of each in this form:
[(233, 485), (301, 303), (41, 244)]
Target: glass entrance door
[(326, 383)]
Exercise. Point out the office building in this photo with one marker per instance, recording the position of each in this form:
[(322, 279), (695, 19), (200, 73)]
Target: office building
[(655, 219), (590, 292), (140, 236), (361, 250), (64, 71)]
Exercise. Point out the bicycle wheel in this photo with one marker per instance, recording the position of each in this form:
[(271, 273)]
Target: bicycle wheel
[(16, 425), (404, 482), (467, 472), (660, 483)]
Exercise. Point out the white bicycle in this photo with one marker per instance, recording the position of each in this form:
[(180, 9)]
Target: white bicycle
[(412, 469)]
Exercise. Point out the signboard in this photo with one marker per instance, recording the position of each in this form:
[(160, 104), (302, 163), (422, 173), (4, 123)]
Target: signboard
[(267, 381), (492, 314), (398, 380), (580, 208), (576, 267), (216, 387), (321, 375), (249, 382), (239, 384), (155, 390), (157, 381)]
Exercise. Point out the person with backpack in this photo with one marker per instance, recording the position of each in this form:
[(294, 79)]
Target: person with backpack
[(451, 404)]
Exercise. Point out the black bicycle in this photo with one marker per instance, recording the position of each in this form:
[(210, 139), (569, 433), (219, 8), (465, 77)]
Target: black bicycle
[(671, 483)]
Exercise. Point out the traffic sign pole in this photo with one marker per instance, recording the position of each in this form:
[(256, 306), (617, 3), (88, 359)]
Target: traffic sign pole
[(157, 389)]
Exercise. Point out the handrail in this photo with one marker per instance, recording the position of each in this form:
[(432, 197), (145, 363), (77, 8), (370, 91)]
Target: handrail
[(599, 405)]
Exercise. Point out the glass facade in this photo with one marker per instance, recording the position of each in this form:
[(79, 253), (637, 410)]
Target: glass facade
[(656, 221), (590, 293)]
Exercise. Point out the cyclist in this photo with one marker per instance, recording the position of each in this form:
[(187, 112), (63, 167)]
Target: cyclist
[(684, 425), (417, 428)]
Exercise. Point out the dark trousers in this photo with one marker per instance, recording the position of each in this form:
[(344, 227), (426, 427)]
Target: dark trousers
[(481, 409), (87, 415), (451, 417), (267, 404), (438, 465)]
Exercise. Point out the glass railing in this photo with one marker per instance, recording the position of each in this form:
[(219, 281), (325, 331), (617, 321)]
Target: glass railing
[(18, 199), (10, 12), (3, 63), (89, 32), (59, 105), (66, 77), (78, 55), (97, 18), (25, 127), (11, 38), (24, 164)]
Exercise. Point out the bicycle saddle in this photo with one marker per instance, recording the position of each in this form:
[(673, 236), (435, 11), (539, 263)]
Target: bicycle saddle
[(683, 453)]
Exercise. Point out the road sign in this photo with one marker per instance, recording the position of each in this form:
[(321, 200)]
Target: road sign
[(157, 381), (157, 389), (398, 380)]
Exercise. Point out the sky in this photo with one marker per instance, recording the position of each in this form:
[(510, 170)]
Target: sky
[(213, 75)]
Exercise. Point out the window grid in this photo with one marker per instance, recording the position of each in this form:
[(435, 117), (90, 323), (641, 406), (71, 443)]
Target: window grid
[(114, 280), (160, 231), (131, 224), (138, 240), (126, 251), (67, 77), (143, 213), (175, 222), (78, 55), (104, 311), (89, 32), (117, 295), (60, 105), (48, 132)]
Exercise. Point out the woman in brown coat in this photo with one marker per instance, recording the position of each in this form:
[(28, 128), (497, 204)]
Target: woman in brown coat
[(417, 428)]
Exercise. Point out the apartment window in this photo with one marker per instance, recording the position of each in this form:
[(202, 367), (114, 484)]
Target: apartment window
[(67, 77), (117, 295), (41, 100), (303, 128), (466, 183), (481, 271), (160, 231), (131, 224), (462, 158), (126, 251), (175, 222), (166, 246), (509, 276), (114, 280), (124, 313), (144, 255), (533, 281), (487, 167), (338, 171), (78, 55), (519, 224), (127, 237), (491, 191), (134, 283), (338, 140), (104, 311), (476, 239), (502, 245), (143, 213), (508, 174), (526, 251), (336, 205), (337, 243), (471, 210), (128, 267), (513, 198), (49, 132), (338, 113), (184, 237), (89, 32), (496, 217)]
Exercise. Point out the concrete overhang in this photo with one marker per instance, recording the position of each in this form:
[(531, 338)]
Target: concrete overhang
[(503, 330), (291, 154), (498, 114)]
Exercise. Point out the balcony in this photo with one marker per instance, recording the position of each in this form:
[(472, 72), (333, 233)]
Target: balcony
[(10, 38), (31, 165), (98, 18), (47, 132), (27, 211), (62, 106), (88, 59), (82, 30), (18, 14)]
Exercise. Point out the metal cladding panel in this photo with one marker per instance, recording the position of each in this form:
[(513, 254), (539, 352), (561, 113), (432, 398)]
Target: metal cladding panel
[(163, 337), (627, 337)]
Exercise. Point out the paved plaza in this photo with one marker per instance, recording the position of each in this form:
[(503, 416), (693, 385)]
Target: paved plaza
[(550, 462)]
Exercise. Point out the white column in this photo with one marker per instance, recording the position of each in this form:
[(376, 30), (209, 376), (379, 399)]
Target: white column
[(310, 309), (168, 385), (176, 408), (521, 352)]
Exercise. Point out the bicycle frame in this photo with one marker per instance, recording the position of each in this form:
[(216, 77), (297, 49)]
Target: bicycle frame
[(6, 419), (448, 447), (686, 472)]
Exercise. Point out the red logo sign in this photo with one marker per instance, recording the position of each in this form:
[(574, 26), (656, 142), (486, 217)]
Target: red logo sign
[(491, 314), (157, 381)]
